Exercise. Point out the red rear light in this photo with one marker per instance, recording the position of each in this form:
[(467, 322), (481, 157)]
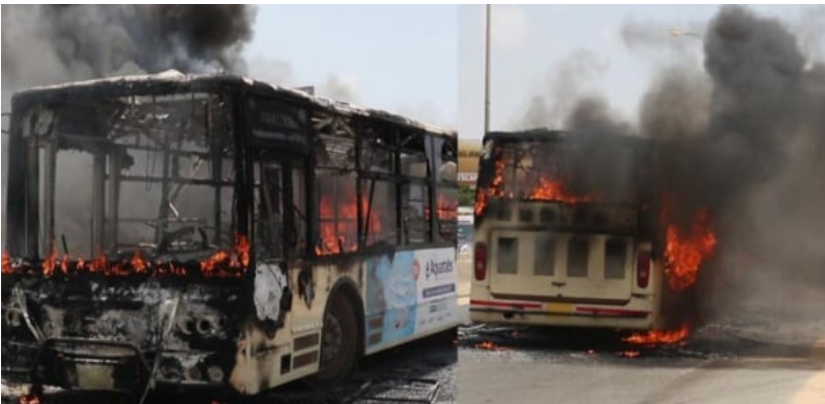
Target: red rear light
[(643, 270), (480, 261)]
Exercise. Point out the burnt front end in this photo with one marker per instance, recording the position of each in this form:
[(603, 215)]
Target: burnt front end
[(125, 248), (119, 333)]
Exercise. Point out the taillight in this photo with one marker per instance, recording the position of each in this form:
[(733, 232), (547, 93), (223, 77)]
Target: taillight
[(643, 270), (480, 261)]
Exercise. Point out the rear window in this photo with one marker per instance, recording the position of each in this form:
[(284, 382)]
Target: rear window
[(565, 171)]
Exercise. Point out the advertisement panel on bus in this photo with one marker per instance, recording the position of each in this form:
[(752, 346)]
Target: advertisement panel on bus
[(409, 293)]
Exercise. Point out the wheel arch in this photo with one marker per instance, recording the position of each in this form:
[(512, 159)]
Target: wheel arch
[(347, 287)]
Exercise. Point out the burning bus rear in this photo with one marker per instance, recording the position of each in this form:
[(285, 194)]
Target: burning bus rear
[(566, 232)]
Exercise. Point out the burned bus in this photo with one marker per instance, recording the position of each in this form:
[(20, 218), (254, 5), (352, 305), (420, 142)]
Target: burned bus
[(206, 230), (567, 233)]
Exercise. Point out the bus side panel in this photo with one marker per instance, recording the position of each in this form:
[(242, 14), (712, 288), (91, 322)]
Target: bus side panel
[(293, 352), (409, 294)]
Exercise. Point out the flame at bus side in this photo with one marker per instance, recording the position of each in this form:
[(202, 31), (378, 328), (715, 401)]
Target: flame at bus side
[(686, 252), (493, 190)]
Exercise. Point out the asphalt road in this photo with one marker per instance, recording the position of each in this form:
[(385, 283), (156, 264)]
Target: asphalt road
[(421, 372), (777, 358)]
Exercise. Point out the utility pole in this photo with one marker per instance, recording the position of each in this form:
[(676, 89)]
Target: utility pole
[(487, 75)]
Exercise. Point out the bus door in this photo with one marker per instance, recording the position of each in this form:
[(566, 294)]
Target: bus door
[(280, 228)]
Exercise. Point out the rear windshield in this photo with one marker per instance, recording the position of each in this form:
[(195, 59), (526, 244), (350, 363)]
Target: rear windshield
[(563, 171)]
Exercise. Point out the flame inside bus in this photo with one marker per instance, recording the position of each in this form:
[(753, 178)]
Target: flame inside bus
[(222, 263), (339, 228), (555, 191)]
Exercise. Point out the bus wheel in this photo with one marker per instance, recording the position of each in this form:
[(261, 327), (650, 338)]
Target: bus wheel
[(339, 341)]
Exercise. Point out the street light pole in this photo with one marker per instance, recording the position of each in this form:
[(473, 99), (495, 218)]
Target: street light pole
[(678, 32), (487, 75)]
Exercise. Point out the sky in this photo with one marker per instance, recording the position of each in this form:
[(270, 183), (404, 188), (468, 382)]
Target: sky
[(529, 42), (398, 58)]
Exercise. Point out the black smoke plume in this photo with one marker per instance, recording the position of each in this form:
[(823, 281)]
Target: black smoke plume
[(737, 114), (46, 44), (750, 151), (49, 44)]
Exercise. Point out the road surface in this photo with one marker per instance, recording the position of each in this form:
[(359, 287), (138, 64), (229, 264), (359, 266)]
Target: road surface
[(779, 358)]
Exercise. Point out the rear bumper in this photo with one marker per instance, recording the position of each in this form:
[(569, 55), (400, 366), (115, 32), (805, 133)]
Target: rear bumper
[(635, 315)]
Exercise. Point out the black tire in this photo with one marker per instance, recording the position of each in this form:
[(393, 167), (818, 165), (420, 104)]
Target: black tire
[(339, 342)]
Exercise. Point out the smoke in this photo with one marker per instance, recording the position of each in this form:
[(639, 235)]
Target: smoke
[(48, 44), (737, 111), (568, 82), (425, 111), (338, 88), (45, 44), (593, 115), (747, 143), (677, 105), (667, 44), (810, 30), (271, 70)]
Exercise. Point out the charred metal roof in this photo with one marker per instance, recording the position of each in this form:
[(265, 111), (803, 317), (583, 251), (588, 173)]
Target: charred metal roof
[(173, 81)]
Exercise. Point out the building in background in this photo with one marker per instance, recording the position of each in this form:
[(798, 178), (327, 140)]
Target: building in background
[(469, 151), (468, 154)]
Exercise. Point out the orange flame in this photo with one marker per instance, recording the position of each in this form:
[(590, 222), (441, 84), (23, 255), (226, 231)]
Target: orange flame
[(242, 249), (49, 263), (446, 209), (488, 345), (494, 190), (339, 233), (222, 263), (29, 399), (208, 265), (548, 190), (99, 263), (545, 190), (6, 263), (138, 264), (659, 336), (64, 266), (630, 354), (685, 254)]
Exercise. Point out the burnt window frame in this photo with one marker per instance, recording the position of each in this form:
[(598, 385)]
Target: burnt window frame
[(27, 159), (422, 150), (444, 151), (374, 135)]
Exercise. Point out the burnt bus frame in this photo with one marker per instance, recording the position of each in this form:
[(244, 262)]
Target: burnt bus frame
[(22, 231), (239, 91)]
